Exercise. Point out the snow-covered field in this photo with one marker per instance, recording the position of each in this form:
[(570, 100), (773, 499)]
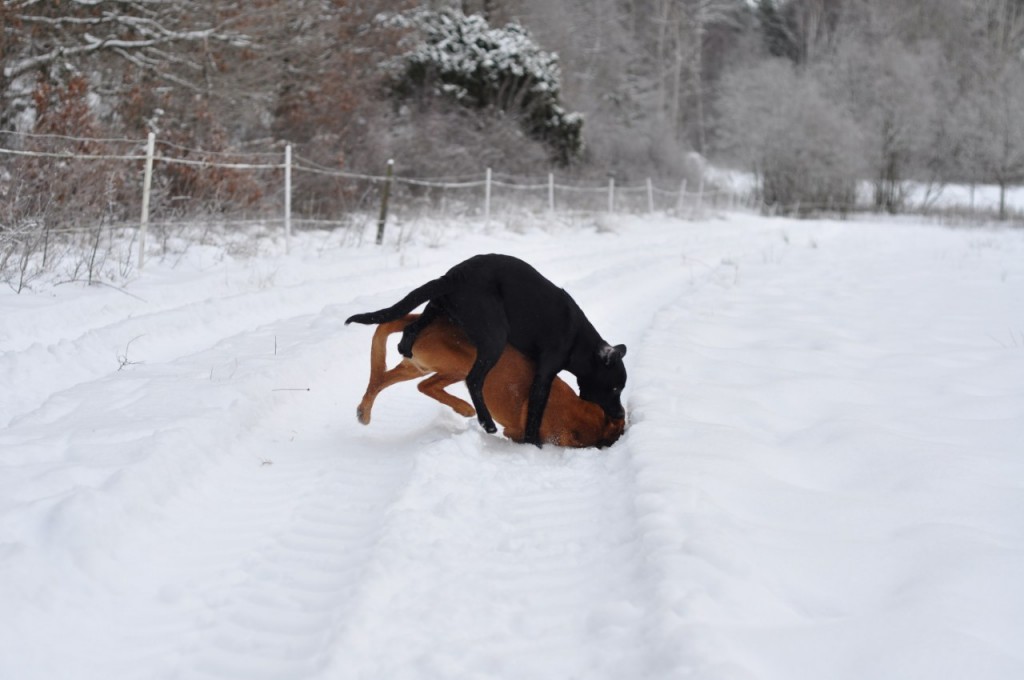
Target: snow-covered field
[(823, 476), (920, 196)]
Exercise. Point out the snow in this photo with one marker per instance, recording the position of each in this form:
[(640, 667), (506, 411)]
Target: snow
[(822, 476)]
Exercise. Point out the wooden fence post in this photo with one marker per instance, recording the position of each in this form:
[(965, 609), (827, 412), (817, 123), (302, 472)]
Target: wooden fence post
[(147, 183), (487, 198), (551, 192), (650, 195), (287, 198), (384, 201), (682, 197), (611, 193)]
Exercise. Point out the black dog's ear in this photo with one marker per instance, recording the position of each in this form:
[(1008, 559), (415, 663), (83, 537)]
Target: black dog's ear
[(609, 354)]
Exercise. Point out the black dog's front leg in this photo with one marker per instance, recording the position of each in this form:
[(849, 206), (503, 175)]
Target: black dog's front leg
[(540, 390), (486, 357)]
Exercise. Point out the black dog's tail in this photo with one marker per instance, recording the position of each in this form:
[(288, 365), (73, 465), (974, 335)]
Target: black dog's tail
[(427, 291)]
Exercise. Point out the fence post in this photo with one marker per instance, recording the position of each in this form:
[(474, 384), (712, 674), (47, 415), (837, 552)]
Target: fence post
[(551, 192), (650, 195), (384, 201), (147, 183), (287, 198), (487, 198), (611, 193), (700, 196), (682, 196)]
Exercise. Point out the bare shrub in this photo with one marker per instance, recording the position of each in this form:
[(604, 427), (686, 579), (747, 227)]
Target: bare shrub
[(64, 192), (804, 150)]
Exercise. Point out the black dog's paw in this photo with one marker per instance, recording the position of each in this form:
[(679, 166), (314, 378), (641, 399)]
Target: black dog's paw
[(535, 440), (488, 426), (405, 347)]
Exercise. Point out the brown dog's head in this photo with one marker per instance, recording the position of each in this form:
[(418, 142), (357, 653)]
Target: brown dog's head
[(578, 435), (600, 437), (613, 429)]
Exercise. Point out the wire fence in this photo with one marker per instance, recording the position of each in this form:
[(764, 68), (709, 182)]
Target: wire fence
[(94, 209), (83, 194), (64, 185)]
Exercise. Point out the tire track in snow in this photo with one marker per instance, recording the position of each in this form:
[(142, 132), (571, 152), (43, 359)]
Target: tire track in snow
[(503, 562), (289, 596), (236, 566)]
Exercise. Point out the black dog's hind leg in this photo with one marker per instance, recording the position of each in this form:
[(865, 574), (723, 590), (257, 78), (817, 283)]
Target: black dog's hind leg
[(412, 331)]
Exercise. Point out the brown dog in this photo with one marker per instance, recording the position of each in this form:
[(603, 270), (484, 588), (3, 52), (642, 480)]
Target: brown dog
[(443, 350)]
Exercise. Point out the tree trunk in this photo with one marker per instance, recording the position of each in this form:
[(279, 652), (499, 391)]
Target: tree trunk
[(697, 73)]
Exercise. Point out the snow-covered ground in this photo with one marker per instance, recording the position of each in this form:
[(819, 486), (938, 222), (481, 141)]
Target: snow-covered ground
[(823, 475)]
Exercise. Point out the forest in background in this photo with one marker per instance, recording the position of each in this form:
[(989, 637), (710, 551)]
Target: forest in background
[(811, 96)]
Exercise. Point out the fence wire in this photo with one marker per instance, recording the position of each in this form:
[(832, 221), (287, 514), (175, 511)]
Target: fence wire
[(484, 194)]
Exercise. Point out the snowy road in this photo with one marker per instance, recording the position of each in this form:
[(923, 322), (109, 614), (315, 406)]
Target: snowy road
[(823, 475)]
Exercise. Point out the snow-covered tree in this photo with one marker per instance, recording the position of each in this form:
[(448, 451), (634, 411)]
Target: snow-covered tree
[(463, 59)]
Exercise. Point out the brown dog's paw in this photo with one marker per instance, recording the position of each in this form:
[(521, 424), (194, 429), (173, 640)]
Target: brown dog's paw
[(464, 409), (363, 415), (513, 434)]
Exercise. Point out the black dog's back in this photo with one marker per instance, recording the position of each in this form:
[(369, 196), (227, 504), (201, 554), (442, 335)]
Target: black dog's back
[(538, 314), (499, 300), (477, 288)]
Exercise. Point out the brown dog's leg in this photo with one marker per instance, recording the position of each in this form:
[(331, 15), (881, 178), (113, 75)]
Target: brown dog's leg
[(434, 386), (400, 373), (380, 377)]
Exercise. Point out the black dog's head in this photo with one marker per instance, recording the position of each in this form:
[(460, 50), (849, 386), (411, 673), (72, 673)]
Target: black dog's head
[(603, 384)]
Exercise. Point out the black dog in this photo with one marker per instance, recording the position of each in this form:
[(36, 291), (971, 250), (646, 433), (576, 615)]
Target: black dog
[(499, 300)]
